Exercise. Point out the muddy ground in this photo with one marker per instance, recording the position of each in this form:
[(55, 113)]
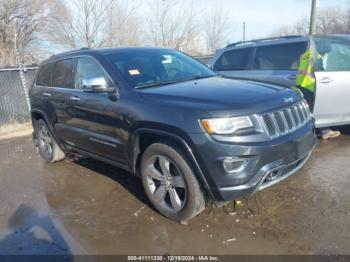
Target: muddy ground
[(82, 206)]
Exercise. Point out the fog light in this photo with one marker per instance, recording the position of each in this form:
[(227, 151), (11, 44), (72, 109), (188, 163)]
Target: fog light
[(272, 175), (234, 164)]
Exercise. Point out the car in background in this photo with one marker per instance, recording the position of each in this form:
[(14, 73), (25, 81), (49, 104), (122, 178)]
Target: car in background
[(276, 60)]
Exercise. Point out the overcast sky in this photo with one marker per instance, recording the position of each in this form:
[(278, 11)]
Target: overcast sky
[(262, 17)]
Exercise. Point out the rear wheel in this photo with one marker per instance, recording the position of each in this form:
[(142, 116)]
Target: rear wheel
[(170, 183), (48, 148)]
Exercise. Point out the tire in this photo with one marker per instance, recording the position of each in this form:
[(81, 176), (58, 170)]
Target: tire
[(47, 146), (170, 182)]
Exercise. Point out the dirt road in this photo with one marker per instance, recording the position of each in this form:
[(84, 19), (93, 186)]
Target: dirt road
[(82, 206)]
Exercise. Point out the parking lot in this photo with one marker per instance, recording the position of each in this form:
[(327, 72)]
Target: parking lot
[(82, 206)]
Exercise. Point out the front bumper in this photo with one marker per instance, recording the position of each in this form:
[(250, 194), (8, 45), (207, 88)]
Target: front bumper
[(269, 162)]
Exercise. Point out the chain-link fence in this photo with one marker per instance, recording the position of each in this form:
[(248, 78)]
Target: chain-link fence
[(14, 104)]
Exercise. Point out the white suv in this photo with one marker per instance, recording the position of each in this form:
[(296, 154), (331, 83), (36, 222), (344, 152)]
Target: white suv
[(276, 60)]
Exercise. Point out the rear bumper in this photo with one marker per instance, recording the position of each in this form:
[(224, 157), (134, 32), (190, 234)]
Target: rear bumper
[(268, 163)]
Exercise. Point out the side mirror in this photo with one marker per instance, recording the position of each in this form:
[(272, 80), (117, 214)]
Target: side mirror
[(97, 85)]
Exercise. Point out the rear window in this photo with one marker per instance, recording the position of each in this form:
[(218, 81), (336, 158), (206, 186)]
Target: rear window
[(44, 75), (63, 74), (279, 57), (237, 59)]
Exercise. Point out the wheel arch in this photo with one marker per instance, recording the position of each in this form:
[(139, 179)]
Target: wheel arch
[(37, 114), (143, 137)]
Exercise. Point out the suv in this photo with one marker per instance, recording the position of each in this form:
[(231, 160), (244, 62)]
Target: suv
[(276, 60), (191, 136)]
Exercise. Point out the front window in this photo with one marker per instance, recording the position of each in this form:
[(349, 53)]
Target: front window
[(332, 54), (147, 68), (279, 56), (88, 68)]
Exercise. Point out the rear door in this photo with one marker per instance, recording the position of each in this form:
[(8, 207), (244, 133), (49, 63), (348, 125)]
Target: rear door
[(235, 62), (332, 105), (278, 63), (61, 89), (41, 92)]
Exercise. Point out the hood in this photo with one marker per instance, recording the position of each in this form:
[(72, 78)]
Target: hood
[(219, 95)]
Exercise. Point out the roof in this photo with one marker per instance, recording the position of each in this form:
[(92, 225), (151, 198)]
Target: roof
[(283, 39), (269, 39), (87, 51)]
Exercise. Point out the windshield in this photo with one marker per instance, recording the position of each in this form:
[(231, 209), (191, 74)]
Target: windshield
[(147, 68)]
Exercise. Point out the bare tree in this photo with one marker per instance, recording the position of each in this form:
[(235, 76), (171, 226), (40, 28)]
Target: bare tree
[(124, 27), (79, 23), (329, 20), (215, 26), (301, 27), (21, 22), (93, 23), (173, 24), (343, 27)]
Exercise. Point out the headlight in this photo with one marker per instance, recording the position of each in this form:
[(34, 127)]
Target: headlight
[(225, 126)]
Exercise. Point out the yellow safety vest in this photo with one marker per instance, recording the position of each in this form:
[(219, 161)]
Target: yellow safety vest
[(306, 77)]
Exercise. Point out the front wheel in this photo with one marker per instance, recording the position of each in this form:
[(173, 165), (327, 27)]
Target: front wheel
[(170, 183)]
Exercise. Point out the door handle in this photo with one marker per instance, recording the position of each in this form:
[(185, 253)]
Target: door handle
[(74, 98), (325, 80), (46, 94), (291, 77)]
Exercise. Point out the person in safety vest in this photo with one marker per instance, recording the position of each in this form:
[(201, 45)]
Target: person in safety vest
[(306, 81)]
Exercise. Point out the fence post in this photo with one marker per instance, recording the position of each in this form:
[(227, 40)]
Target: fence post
[(24, 82)]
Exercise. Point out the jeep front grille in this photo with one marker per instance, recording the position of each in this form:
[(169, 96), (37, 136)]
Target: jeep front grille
[(286, 120)]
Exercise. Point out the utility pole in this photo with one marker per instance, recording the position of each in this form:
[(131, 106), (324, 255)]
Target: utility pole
[(19, 63), (312, 29), (243, 31)]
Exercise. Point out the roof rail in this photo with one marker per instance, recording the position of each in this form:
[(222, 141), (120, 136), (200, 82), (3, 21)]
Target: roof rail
[(262, 39), (69, 52)]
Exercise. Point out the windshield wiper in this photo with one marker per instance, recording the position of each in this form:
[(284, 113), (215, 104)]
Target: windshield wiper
[(155, 84), (201, 77), (161, 83)]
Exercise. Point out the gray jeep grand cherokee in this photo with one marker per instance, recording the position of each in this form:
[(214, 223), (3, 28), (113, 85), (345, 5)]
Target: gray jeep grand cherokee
[(190, 135)]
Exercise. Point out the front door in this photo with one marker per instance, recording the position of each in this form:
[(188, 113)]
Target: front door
[(93, 116), (332, 105), (278, 63)]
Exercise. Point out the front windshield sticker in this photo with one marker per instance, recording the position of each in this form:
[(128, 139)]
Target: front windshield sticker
[(134, 72)]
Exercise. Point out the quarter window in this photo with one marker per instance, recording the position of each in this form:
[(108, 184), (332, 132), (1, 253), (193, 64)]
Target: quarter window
[(63, 74), (237, 59), (44, 75), (279, 57)]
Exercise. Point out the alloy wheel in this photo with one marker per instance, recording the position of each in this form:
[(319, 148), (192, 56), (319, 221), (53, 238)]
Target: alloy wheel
[(166, 183), (45, 142)]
